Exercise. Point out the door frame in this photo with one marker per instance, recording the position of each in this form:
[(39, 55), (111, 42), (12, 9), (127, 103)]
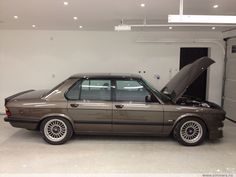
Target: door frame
[(144, 124)]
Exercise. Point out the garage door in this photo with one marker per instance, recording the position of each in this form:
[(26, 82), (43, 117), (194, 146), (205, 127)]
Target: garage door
[(230, 82)]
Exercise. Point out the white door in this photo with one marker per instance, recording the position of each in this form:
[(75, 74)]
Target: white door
[(230, 82)]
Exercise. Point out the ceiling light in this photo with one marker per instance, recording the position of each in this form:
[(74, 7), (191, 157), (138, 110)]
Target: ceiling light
[(33, 26), (202, 19), (80, 27), (75, 18), (215, 6), (142, 5), (16, 17), (123, 28), (170, 27), (65, 3), (213, 28)]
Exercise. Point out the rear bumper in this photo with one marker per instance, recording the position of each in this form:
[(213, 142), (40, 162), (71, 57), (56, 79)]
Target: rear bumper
[(27, 123)]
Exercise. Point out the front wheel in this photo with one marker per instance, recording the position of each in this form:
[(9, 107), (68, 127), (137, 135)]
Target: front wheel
[(190, 131), (56, 130)]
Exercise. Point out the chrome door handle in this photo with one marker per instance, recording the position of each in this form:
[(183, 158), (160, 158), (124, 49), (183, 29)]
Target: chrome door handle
[(119, 106), (74, 105)]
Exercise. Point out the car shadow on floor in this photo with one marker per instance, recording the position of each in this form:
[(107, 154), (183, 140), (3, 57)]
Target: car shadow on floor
[(135, 138), (120, 138), (35, 137)]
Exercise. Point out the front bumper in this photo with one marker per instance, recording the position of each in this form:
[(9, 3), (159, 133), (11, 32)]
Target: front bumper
[(216, 132), (213, 135), (27, 123)]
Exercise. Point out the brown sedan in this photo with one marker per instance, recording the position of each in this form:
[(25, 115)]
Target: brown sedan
[(118, 104)]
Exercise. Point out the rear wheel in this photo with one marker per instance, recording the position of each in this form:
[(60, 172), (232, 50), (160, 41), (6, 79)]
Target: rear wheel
[(56, 130), (190, 131)]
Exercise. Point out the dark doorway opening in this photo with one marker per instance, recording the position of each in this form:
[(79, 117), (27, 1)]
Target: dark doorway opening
[(189, 55)]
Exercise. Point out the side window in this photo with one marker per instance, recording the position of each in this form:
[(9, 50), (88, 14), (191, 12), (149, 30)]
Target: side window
[(74, 92), (130, 90), (95, 89)]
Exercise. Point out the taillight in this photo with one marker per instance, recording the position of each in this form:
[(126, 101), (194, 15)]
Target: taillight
[(8, 113)]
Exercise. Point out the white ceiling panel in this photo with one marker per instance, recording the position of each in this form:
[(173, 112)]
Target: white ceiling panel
[(103, 14)]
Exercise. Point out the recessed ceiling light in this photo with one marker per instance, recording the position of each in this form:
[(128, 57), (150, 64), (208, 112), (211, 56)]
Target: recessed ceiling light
[(75, 18), (215, 6), (16, 17), (213, 28), (142, 5), (80, 27), (65, 3), (34, 26), (170, 27)]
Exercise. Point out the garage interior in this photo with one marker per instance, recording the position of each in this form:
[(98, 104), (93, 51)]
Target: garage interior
[(44, 42)]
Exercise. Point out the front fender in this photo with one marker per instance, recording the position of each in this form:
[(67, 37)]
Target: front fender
[(172, 118), (185, 116)]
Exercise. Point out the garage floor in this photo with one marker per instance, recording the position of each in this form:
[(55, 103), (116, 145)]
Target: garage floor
[(24, 151)]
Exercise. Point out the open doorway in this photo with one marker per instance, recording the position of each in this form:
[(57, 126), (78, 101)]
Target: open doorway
[(189, 55)]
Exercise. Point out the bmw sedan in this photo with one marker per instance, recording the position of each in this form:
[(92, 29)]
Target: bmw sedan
[(118, 104)]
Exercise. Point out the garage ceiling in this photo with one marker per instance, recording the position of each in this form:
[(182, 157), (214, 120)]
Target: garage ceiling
[(104, 14)]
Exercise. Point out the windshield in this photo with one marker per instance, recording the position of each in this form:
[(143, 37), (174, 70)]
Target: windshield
[(160, 95)]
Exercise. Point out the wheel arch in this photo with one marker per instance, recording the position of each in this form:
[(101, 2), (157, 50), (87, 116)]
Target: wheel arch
[(56, 115), (189, 115)]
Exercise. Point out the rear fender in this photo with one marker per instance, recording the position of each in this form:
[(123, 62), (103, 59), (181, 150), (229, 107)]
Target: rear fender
[(58, 115)]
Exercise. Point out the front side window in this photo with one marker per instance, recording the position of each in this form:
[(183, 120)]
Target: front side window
[(131, 90), (90, 89)]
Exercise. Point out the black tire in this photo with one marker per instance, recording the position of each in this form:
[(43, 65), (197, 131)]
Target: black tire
[(180, 126), (64, 127)]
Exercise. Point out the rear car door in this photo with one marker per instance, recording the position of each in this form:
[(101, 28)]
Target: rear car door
[(132, 112), (90, 105)]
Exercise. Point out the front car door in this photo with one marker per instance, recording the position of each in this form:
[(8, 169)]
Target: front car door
[(135, 108), (90, 105)]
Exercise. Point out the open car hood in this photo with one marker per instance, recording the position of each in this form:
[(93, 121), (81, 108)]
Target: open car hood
[(176, 87)]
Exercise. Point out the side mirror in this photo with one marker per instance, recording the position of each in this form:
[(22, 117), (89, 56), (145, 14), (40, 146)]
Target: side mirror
[(148, 98)]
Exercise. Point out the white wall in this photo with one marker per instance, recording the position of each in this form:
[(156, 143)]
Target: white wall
[(41, 59)]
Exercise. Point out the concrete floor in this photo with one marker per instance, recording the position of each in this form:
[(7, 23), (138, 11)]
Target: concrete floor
[(23, 151)]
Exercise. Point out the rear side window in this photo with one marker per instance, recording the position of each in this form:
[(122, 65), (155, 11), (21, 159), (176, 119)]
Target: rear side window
[(96, 90), (74, 92), (130, 90), (90, 89)]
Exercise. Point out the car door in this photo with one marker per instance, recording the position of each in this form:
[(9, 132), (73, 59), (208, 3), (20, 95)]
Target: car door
[(90, 105), (135, 108)]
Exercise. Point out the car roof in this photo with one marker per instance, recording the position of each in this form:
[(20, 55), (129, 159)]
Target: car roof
[(105, 75)]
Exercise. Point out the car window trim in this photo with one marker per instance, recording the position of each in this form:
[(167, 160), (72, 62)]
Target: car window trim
[(113, 88)]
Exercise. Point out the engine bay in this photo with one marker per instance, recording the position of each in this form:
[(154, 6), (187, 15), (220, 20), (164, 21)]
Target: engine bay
[(196, 102)]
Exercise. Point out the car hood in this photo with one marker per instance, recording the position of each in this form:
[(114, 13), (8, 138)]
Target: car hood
[(176, 87)]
